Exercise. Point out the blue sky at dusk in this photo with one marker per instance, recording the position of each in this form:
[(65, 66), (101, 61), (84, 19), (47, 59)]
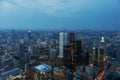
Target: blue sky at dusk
[(58, 14)]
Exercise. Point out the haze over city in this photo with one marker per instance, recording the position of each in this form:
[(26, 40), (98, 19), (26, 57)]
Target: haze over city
[(58, 14), (59, 39)]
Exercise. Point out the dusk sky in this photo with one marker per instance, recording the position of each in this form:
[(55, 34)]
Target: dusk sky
[(60, 14)]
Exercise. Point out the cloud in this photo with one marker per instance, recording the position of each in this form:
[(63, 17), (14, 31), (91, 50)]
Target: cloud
[(6, 5), (43, 6), (57, 12), (54, 7)]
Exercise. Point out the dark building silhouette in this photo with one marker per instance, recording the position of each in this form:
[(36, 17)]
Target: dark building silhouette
[(72, 37), (87, 57), (95, 55), (67, 56), (101, 59), (73, 54), (76, 51), (22, 55)]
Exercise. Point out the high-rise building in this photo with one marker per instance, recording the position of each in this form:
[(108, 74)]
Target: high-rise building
[(67, 56), (101, 54), (53, 54), (22, 51), (76, 52), (95, 55), (92, 71), (73, 54), (86, 57), (118, 52), (102, 39), (72, 37), (101, 59), (29, 34), (35, 49), (63, 39)]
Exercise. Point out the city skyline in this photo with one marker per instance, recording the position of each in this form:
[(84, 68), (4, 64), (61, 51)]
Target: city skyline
[(41, 55), (60, 14)]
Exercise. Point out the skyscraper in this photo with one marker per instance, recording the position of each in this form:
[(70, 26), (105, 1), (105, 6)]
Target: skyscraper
[(72, 37), (63, 41), (73, 54), (95, 55), (21, 55), (101, 55), (29, 34), (67, 56), (77, 52), (118, 52)]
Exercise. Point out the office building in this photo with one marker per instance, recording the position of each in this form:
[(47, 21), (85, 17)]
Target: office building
[(67, 56), (53, 54), (101, 54), (76, 52), (63, 41), (73, 55), (118, 52), (72, 37), (22, 53), (95, 55), (92, 71)]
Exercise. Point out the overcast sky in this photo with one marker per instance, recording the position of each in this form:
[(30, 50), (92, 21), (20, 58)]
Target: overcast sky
[(60, 14)]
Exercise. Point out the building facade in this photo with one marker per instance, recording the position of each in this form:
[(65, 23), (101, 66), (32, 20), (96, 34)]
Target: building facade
[(63, 41)]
